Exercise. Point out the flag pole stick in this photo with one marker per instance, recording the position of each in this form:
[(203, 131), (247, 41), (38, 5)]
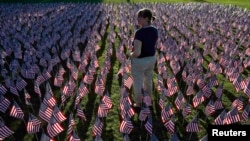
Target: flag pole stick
[(190, 136)]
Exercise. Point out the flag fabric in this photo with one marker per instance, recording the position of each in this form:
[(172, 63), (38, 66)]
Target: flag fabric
[(98, 126), (149, 125), (162, 101), (210, 108), (220, 118), (186, 109), (219, 90), (70, 126), (190, 90), (80, 113), (74, 72), (16, 111), (3, 90), (39, 79), (166, 113), (49, 100), (4, 104), (144, 113), (20, 83), (245, 113), (74, 136), (58, 115), (193, 125), (103, 110), (170, 125), (45, 112), (179, 101), (88, 78), (37, 90), (4, 130), (58, 80), (126, 126), (172, 88), (33, 125), (68, 89), (83, 90), (13, 89), (127, 81), (247, 90), (27, 97), (198, 99), (146, 98), (239, 83), (206, 90), (213, 81), (232, 116), (126, 109), (54, 127), (218, 104), (238, 103), (107, 100), (201, 83), (99, 86)]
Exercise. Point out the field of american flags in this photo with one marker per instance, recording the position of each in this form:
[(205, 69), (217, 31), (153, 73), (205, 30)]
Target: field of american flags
[(65, 71)]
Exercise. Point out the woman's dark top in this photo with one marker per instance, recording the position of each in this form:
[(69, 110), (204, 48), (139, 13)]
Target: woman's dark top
[(148, 36)]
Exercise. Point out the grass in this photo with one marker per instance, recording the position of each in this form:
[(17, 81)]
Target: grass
[(111, 123)]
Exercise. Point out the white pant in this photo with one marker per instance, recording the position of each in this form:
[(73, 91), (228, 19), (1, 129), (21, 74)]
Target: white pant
[(142, 72)]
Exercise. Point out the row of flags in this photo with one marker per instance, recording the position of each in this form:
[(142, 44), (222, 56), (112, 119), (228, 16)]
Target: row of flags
[(63, 53)]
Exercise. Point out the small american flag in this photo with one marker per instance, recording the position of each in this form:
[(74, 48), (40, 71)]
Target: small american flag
[(179, 101), (149, 125), (232, 116), (74, 136), (245, 113), (210, 109), (20, 84), (53, 127), (186, 109), (170, 125), (238, 103), (16, 111), (127, 81), (98, 126), (80, 113), (4, 130), (193, 126), (198, 99), (4, 104), (33, 125), (219, 119), (166, 113), (58, 115), (49, 100), (126, 126), (45, 112)]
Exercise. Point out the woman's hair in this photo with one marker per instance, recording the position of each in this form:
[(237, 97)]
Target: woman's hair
[(146, 13)]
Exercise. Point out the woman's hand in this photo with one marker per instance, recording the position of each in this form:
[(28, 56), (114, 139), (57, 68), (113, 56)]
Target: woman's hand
[(137, 49)]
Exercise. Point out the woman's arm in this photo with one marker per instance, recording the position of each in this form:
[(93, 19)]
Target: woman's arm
[(137, 49)]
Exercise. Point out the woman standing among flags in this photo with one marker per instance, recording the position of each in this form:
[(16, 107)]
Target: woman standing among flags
[(143, 55)]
